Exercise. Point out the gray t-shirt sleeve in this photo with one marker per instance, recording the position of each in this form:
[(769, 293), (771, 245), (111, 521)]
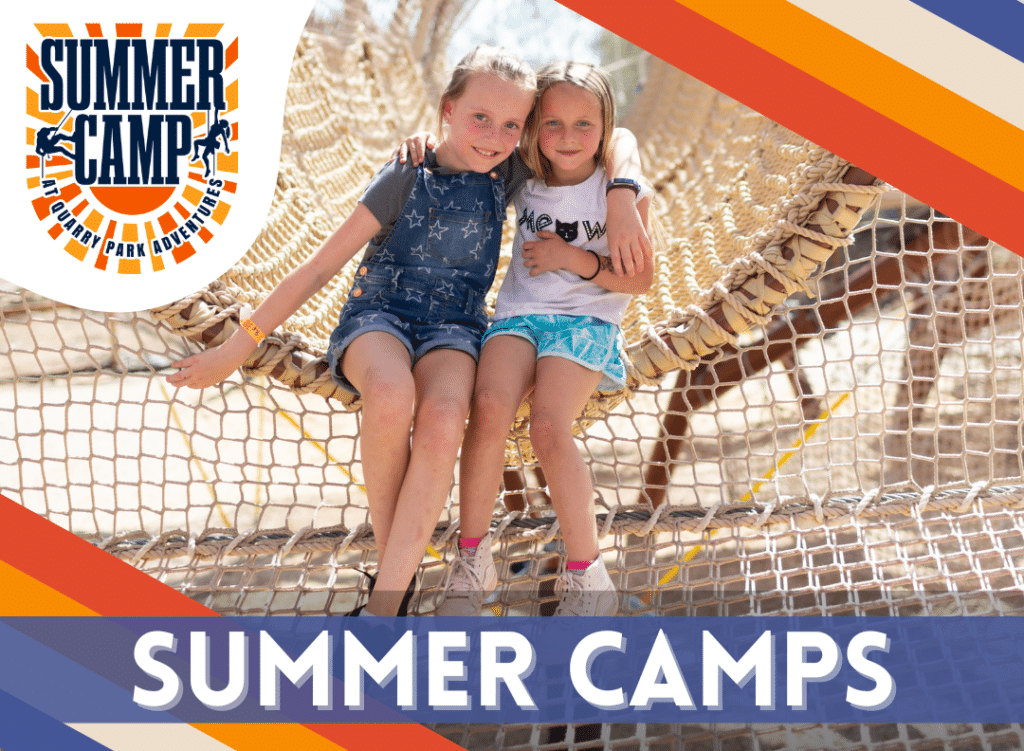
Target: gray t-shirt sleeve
[(388, 191), (516, 173)]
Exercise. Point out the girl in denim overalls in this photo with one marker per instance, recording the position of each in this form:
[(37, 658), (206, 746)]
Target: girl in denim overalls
[(409, 335)]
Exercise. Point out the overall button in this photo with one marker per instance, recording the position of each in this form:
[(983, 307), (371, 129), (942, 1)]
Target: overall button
[(494, 175), (357, 292), (363, 271)]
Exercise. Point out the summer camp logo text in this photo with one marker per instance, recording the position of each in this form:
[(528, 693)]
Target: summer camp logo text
[(132, 140)]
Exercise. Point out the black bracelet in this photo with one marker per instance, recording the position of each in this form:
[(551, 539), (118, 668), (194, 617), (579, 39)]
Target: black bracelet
[(589, 278)]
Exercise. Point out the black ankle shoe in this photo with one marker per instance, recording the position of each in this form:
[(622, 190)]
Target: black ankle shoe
[(403, 607)]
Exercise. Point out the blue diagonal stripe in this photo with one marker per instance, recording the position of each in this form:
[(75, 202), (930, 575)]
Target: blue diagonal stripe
[(1000, 23), (25, 728)]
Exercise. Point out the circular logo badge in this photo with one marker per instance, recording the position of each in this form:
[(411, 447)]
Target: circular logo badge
[(132, 140)]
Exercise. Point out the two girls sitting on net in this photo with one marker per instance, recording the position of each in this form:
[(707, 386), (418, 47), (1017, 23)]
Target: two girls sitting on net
[(409, 336)]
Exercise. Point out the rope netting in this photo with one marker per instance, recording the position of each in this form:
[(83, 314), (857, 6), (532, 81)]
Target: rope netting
[(820, 420)]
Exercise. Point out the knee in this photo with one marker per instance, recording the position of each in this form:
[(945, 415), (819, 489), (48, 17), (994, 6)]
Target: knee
[(493, 412), (442, 422), (548, 436), (389, 398)]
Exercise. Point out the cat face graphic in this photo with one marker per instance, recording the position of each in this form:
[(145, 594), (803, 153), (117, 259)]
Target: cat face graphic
[(567, 231)]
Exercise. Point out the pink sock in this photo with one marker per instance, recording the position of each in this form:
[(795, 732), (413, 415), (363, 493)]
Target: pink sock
[(578, 565), (469, 544)]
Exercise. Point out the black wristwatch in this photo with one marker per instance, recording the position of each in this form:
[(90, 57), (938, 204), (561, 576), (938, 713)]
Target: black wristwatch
[(622, 182)]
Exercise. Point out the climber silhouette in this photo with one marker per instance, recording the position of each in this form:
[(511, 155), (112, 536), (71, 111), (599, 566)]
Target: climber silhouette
[(210, 143), (48, 145)]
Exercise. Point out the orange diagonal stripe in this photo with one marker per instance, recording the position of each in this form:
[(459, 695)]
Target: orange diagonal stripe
[(203, 29), (22, 595), (54, 29), (32, 62)]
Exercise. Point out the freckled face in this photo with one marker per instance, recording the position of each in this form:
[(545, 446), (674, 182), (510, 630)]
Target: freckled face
[(570, 131), (484, 124)]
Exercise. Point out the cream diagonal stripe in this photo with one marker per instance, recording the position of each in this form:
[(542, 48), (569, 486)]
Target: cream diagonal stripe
[(126, 736), (930, 45)]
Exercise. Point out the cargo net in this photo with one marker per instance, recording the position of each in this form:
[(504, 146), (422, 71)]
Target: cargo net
[(820, 420)]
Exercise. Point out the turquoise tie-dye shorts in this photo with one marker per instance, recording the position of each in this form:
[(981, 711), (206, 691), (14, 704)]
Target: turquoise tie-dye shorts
[(595, 344)]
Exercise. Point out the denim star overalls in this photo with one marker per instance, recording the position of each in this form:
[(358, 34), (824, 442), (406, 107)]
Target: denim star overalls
[(425, 282)]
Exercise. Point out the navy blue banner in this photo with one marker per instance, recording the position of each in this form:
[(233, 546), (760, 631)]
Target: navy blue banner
[(518, 670)]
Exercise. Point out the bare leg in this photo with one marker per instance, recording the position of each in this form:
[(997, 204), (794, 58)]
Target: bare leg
[(444, 386), (506, 370), (378, 365), (563, 388)]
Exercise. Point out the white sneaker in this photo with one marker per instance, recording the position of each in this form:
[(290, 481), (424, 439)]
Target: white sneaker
[(469, 581), (587, 592)]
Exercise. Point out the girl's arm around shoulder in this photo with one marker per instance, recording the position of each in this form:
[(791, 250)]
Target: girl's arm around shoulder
[(623, 156), (415, 147), (552, 252), (214, 365), (628, 241)]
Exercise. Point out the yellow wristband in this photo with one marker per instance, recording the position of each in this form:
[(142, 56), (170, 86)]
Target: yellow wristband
[(254, 331)]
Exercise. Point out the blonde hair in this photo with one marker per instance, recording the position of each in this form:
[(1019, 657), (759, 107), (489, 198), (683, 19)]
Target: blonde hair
[(586, 76), (485, 58)]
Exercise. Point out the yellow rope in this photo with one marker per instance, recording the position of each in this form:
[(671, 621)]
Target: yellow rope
[(192, 455), (285, 415), (322, 450), (311, 439), (308, 437), (260, 427), (811, 430)]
